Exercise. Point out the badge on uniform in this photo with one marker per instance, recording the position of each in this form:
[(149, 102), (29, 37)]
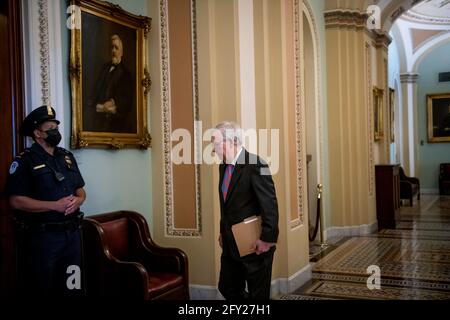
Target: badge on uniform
[(68, 161), (13, 167)]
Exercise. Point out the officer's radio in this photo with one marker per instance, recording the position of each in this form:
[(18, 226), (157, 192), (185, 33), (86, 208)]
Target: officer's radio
[(59, 176)]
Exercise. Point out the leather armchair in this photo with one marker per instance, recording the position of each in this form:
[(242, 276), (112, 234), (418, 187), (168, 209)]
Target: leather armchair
[(409, 186), (121, 260), (444, 179)]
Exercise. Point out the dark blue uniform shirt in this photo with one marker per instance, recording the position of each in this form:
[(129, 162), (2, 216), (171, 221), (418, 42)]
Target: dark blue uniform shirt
[(32, 174)]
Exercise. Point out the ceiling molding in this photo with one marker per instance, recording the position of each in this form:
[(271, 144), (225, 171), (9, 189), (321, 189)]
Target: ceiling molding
[(425, 19), (420, 37)]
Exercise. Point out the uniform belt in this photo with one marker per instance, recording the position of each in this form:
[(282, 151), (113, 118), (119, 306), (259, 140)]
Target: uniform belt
[(68, 225), (57, 226)]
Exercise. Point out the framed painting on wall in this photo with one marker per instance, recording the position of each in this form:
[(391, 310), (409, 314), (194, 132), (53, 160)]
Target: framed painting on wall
[(109, 78), (392, 114), (378, 113), (438, 117)]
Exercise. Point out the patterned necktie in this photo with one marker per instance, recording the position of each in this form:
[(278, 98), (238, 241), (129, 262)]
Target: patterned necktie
[(226, 180)]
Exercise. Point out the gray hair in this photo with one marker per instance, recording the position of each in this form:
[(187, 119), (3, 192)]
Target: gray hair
[(116, 37), (230, 131)]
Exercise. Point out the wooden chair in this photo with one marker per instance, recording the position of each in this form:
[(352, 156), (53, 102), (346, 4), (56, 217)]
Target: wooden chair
[(444, 179), (121, 260), (409, 187)]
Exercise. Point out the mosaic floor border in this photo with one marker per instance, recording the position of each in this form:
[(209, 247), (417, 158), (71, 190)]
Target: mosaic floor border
[(410, 258), (345, 290), (385, 281)]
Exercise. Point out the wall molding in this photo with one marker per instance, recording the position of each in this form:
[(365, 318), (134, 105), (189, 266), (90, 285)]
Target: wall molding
[(309, 13), (289, 285), (44, 54), (345, 19), (421, 18), (201, 292), (300, 128), (387, 113), (278, 286), (351, 231), (434, 191), (370, 125), (382, 39), (409, 77), (169, 213)]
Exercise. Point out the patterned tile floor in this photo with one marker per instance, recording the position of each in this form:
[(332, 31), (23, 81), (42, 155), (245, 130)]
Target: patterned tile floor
[(414, 259)]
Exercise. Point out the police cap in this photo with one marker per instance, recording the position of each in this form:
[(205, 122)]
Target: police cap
[(36, 118)]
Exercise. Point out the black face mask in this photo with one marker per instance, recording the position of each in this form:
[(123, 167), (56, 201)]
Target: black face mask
[(53, 137)]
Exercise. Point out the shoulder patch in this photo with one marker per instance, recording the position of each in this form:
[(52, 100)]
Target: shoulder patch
[(13, 167), (65, 150)]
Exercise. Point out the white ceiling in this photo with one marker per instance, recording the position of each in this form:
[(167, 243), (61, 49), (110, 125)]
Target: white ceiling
[(433, 9), (421, 29)]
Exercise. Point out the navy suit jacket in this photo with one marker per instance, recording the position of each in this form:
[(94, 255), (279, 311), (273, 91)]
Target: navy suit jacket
[(250, 193)]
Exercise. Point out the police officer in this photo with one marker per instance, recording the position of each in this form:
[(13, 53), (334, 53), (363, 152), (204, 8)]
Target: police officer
[(45, 188)]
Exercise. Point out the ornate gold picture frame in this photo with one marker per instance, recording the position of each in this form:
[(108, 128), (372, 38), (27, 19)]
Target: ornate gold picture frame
[(378, 113), (438, 117), (110, 81), (392, 114)]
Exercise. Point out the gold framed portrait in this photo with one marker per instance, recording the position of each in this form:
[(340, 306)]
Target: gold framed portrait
[(438, 106), (378, 113), (392, 114), (110, 81)]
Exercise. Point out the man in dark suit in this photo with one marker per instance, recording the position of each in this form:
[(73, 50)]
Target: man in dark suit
[(246, 188), (445, 124), (112, 106)]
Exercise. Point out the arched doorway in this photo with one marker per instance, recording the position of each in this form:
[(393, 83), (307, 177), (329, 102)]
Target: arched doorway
[(312, 114)]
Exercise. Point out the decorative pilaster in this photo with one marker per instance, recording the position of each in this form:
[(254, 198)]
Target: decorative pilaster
[(409, 77), (170, 174), (348, 19), (43, 51), (382, 39), (409, 122), (350, 71)]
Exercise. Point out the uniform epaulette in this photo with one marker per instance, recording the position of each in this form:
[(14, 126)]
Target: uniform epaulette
[(23, 153), (64, 150)]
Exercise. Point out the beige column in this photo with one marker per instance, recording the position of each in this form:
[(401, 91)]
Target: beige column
[(410, 140), (356, 63), (381, 42)]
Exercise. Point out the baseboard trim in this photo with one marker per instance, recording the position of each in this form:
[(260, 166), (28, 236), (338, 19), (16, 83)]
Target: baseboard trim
[(429, 191), (200, 292), (289, 285), (351, 231), (278, 286)]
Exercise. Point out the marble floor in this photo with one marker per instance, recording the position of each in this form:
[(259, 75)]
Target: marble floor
[(413, 259)]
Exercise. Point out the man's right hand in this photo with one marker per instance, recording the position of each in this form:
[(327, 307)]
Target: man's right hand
[(62, 204), (110, 106)]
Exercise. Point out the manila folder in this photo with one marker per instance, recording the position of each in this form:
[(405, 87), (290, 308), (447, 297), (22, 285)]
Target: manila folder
[(246, 234)]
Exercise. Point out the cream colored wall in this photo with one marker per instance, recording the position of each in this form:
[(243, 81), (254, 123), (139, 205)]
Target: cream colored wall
[(352, 202), (220, 99), (350, 77)]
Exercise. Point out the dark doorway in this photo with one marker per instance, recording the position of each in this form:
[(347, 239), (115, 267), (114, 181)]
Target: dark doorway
[(11, 115)]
